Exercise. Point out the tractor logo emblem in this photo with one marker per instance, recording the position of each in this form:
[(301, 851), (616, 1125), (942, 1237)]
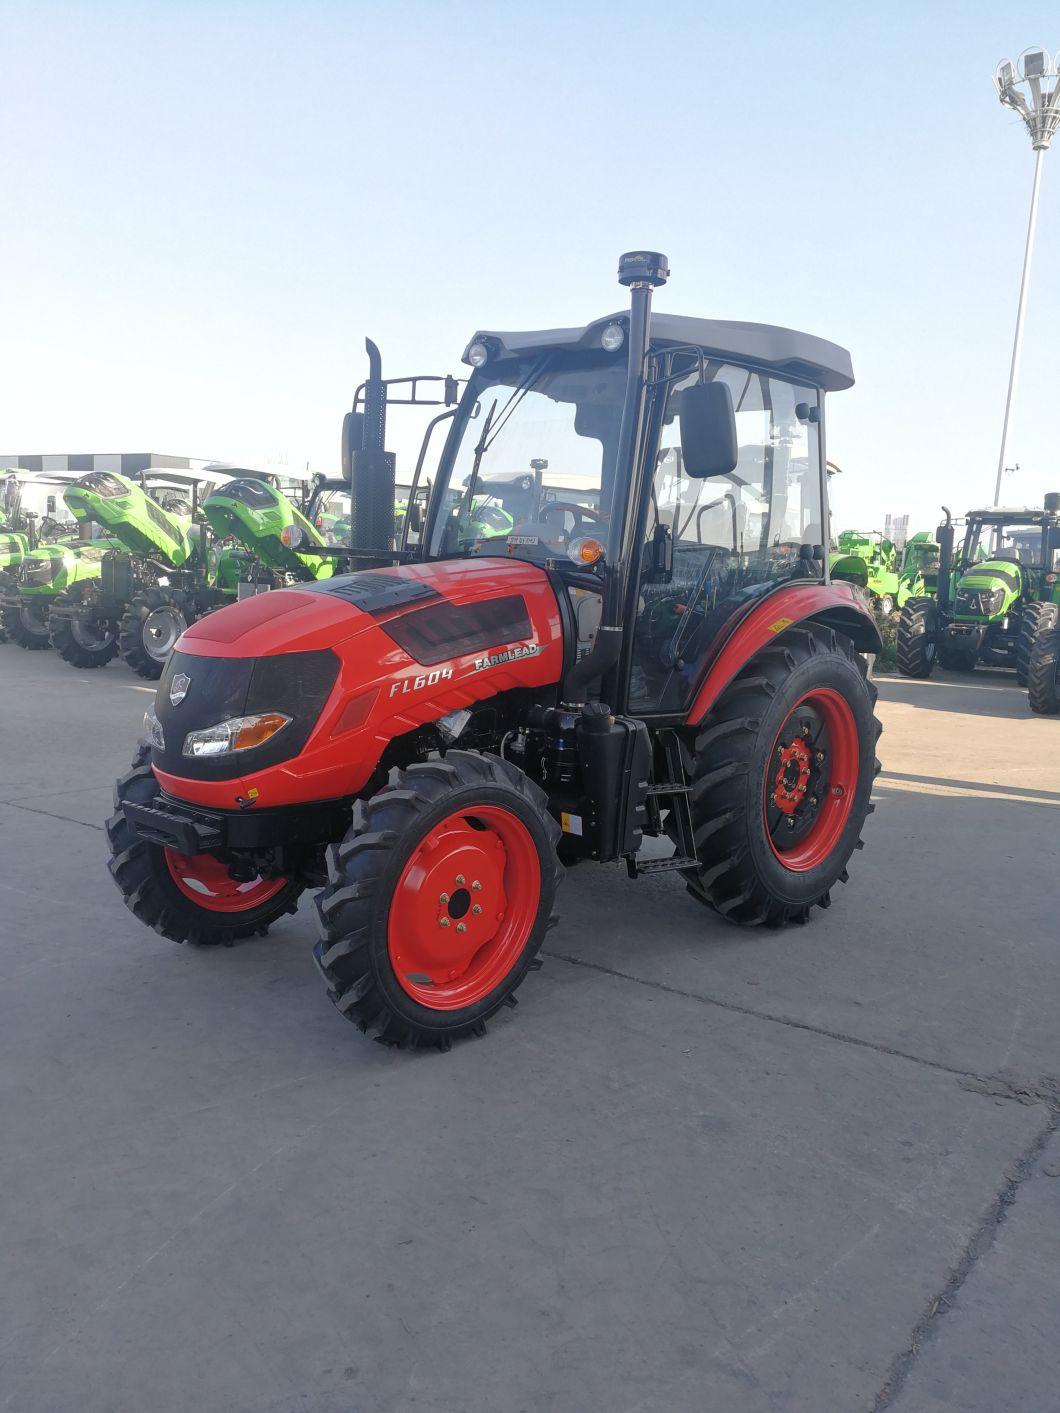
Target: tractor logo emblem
[(178, 689)]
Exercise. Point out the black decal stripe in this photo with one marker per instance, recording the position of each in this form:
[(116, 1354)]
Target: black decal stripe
[(373, 591)]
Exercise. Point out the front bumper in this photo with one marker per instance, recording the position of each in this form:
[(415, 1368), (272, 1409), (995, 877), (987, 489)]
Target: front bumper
[(190, 829)]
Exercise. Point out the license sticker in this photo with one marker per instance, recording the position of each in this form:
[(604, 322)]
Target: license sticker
[(524, 540)]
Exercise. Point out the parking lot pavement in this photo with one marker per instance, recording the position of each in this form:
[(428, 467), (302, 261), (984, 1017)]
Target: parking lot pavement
[(696, 1169)]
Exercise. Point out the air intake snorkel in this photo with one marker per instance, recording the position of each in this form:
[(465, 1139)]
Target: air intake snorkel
[(944, 535)]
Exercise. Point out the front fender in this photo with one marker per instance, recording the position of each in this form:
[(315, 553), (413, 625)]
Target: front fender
[(836, 606)]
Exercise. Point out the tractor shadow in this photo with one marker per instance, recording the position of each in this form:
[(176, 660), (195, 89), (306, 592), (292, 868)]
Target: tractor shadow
[(982, 693)]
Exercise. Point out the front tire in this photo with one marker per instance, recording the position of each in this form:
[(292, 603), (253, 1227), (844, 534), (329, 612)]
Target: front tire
[(781, 776), (186, 898), (27, 625), (1043, 677), (81, 643), (438, 899), (917, 638), (149, 629), (1037, 618)]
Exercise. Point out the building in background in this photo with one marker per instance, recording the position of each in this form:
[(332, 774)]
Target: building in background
[(128, 463), (896, 529)]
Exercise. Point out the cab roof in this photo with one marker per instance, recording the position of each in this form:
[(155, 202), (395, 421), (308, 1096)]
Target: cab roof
[(1012, 514), (784, 351)]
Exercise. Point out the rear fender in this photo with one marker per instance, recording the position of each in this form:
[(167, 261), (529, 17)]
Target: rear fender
[(835, 606)]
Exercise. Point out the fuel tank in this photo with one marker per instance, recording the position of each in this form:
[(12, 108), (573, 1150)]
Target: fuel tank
[(354, 661)]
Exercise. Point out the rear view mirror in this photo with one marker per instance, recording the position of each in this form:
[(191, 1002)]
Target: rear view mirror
[(708, 430)]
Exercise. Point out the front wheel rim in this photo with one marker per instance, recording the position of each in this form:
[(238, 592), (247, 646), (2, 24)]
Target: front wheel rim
[(162, 627), (91, 634), (206, 881), (464, 907), (811, 780)]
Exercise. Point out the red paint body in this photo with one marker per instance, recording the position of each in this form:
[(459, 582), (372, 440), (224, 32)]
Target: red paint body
[(370, 704), (772, 616), (333, 766)]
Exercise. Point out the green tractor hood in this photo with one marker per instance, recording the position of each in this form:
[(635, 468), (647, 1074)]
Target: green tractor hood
[(987, 591), (258, 515), (127, 513)]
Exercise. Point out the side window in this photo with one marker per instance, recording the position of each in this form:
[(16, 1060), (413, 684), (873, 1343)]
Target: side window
[(732, 538)]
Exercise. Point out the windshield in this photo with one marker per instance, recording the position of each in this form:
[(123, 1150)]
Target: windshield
[(1022, 543), (923, 557), (530, 468)]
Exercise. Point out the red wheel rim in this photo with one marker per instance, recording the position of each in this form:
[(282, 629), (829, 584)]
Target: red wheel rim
[(811, 779), (464, 907), (206, 881)]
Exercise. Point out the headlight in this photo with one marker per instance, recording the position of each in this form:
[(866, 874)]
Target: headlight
[(153, 730), (478, 354), (241, 733)]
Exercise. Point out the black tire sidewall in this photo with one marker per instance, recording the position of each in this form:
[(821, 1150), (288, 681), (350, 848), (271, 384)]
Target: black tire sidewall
[(831, 670), (462, 800)]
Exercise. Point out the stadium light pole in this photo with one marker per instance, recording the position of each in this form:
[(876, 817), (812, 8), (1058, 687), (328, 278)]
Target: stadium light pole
[(1031, 87)]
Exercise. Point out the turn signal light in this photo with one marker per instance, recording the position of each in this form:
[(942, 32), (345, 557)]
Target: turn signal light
[(585, 550)]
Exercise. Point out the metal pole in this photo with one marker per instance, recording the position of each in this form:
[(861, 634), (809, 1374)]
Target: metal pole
[(1018, 340)]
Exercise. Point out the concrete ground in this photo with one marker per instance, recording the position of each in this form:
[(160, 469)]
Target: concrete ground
[(697, 1169)]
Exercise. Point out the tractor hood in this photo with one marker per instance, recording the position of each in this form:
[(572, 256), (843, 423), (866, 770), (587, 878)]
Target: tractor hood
[(988, 590), (256, 514), (354, 662), (127, 512)]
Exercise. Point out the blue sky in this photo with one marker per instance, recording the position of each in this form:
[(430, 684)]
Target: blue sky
[(206, 206)]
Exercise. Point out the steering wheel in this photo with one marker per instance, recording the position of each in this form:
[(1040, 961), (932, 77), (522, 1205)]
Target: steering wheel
[(580, 513)]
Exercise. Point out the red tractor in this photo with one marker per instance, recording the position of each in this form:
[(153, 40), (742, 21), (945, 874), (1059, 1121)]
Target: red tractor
[(642, 640)]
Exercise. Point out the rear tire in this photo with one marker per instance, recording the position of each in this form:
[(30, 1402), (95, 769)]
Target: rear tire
[(397, 956), (149, 628), (27, 625), (79, 645), (1037, 618), (754, 868), (150, 882), (917, 638), (1043, 677)]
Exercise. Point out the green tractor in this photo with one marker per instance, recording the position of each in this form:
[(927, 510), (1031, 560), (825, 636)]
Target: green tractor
[(994, 601), (40, 555), (164, 575), (918, 576), (878, 556)]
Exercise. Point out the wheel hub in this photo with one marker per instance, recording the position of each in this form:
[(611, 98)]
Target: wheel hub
[(464, 907), (811, 779), (162, 627)]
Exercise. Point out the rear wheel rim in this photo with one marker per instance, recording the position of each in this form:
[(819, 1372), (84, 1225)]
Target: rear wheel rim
[(464, 907), (811, 780), (162, 627), (205, 879)]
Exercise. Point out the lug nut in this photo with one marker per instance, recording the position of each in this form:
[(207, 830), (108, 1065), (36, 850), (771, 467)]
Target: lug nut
[(476, 887), (461, 927), (476, 910), (820, 756), (460, 878), (443, 897), (813, 801), (791, 821), (443, 922)]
